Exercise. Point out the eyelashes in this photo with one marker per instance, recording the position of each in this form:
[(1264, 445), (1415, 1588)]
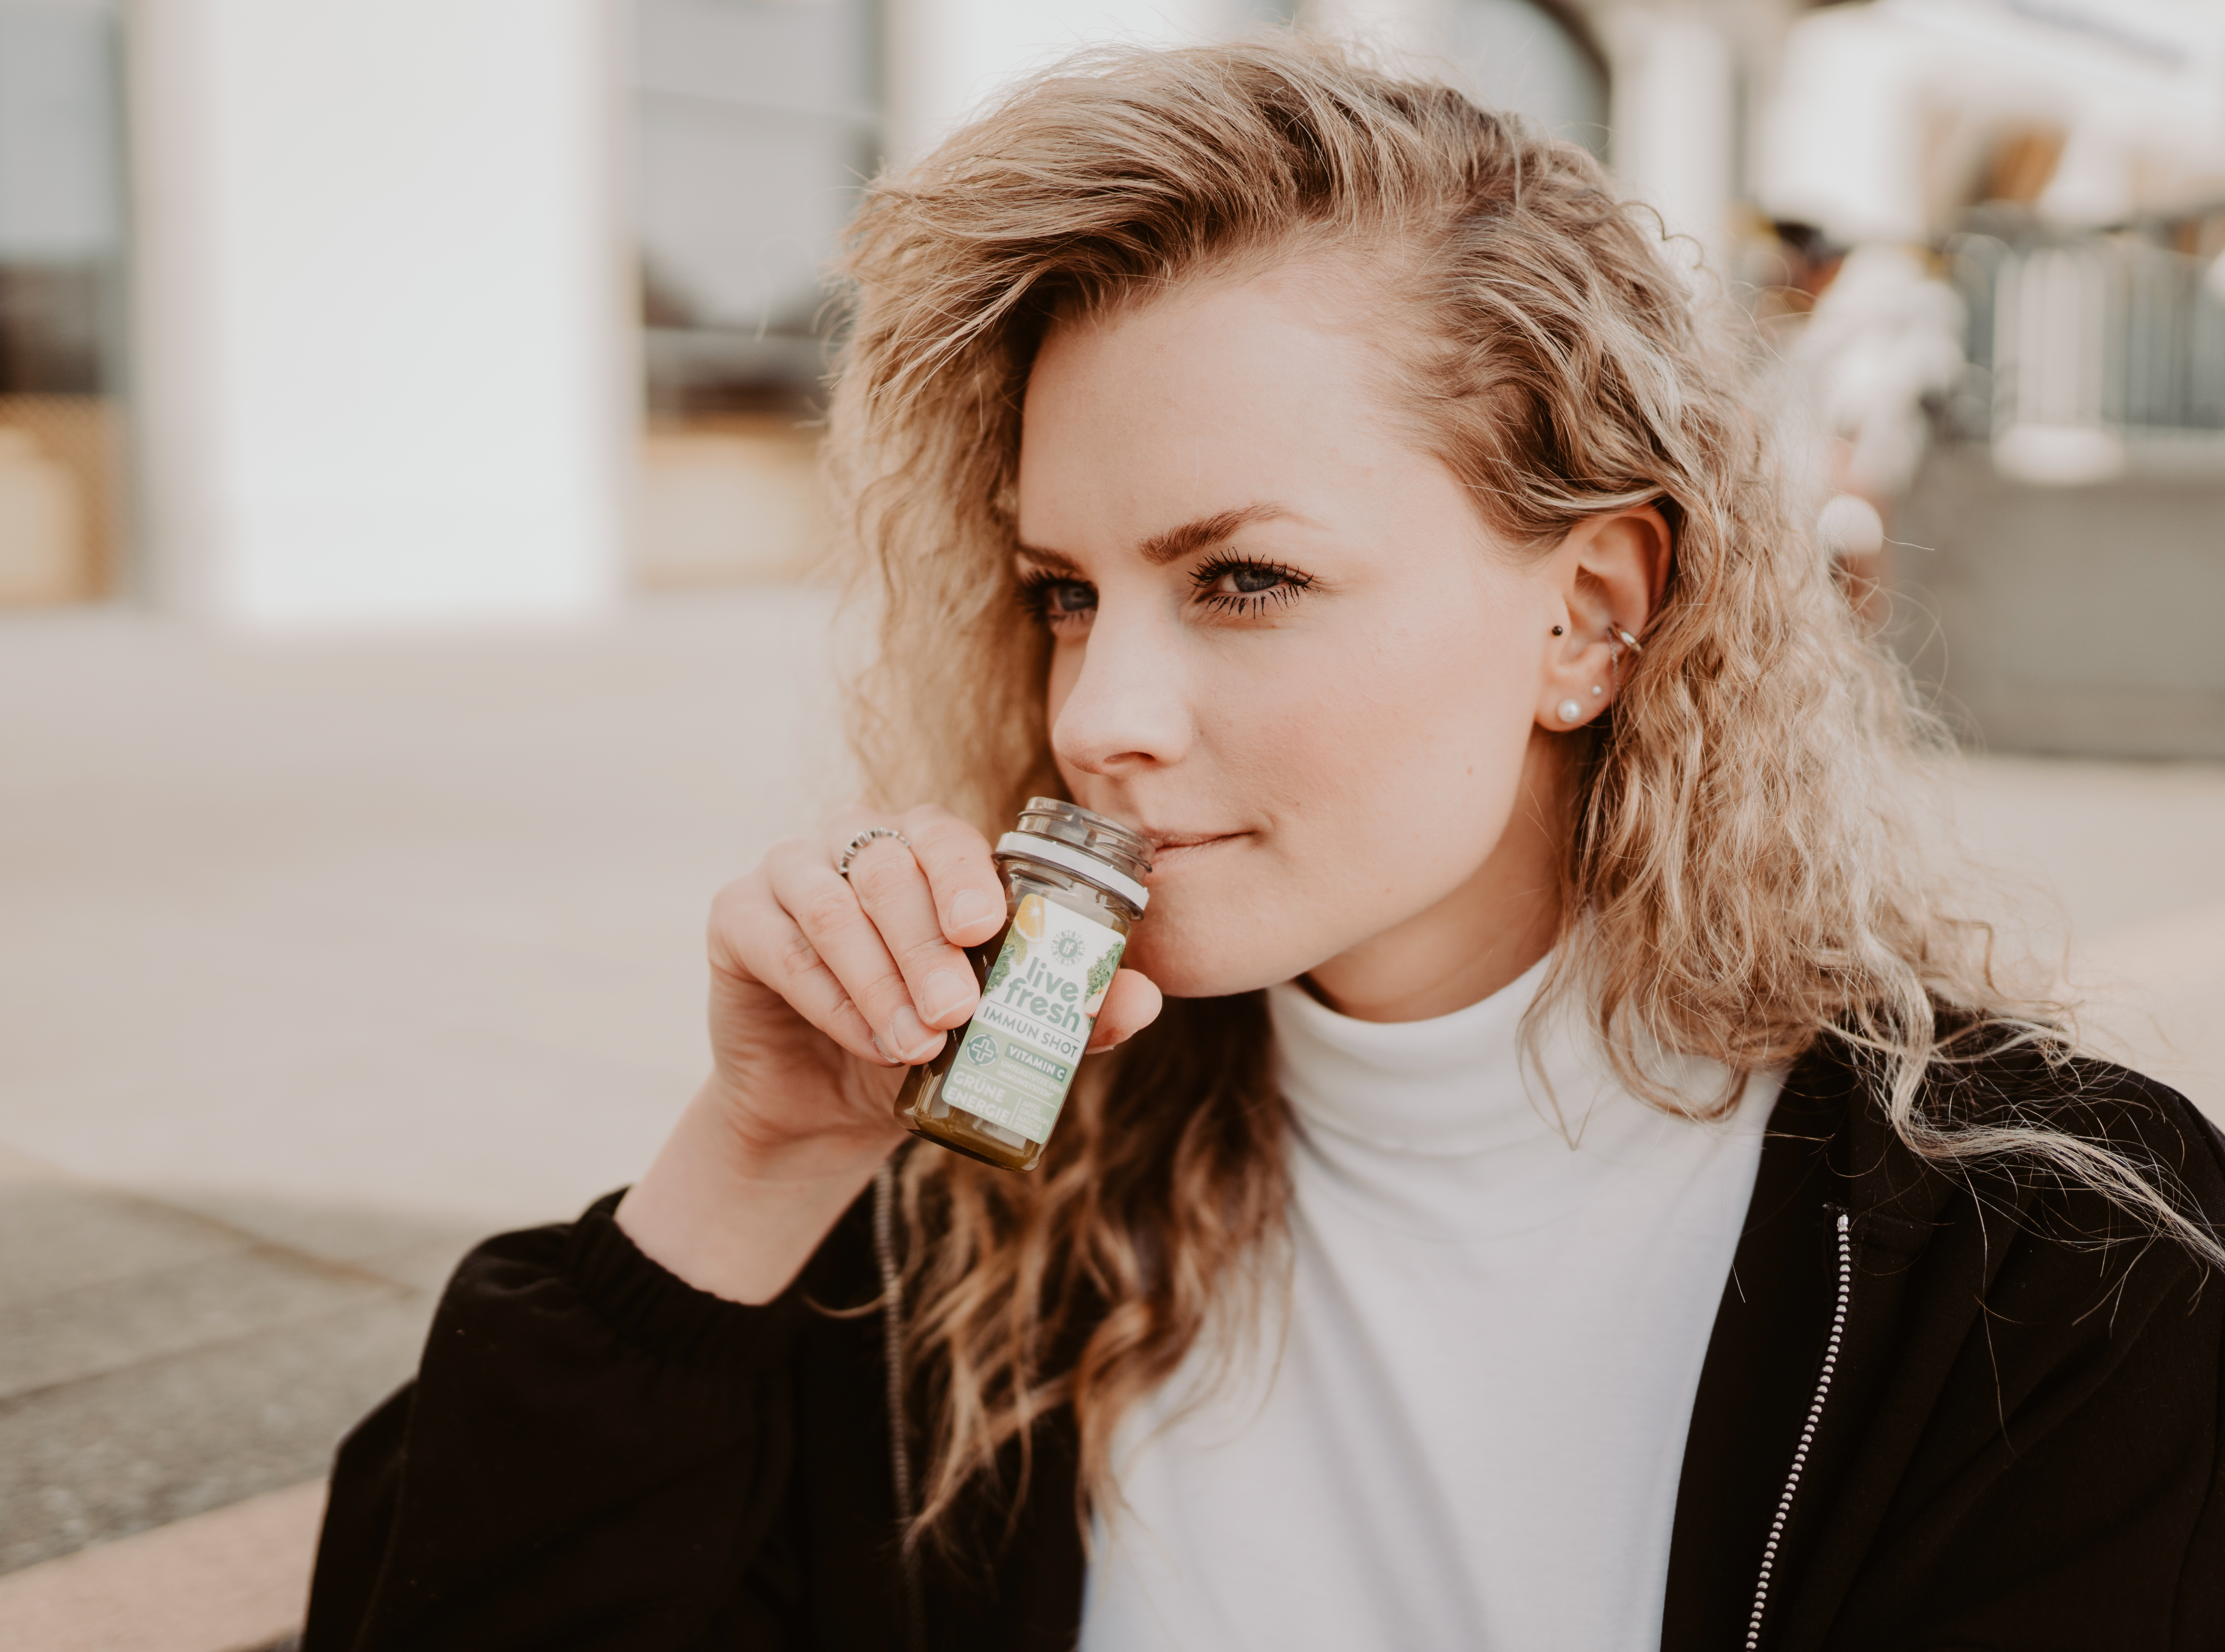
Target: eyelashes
[(1056, 601), (1230, 584), (1224, 584)]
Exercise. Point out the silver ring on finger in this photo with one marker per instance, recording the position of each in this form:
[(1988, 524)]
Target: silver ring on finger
[(851, 848)]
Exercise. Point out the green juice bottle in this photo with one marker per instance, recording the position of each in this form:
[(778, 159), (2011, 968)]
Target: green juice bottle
[(1073, 890)]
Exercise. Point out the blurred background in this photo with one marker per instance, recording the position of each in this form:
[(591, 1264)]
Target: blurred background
[(412, 601)]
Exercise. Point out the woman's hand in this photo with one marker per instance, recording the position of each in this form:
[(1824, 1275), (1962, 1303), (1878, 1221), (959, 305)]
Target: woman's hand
[(824, 991)]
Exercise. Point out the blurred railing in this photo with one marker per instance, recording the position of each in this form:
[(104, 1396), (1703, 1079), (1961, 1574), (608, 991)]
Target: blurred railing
[(2079, 346)]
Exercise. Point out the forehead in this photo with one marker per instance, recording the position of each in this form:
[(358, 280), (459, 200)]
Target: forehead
[(1214, 397)]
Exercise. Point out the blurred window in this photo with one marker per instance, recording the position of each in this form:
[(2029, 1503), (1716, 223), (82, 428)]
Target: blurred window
[(61, 299), (757, 123)]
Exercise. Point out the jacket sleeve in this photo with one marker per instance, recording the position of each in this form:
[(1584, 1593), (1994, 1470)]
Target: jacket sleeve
[(593, 1454)]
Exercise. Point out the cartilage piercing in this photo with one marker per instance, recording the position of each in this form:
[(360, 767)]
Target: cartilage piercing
[(1617, 641)]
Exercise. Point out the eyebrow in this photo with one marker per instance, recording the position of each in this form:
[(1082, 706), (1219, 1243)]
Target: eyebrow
[(1174, 543)]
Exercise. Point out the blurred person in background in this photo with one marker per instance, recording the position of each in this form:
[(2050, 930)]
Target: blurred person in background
[(1583, 1185), (1871, 341), (1882, 345)]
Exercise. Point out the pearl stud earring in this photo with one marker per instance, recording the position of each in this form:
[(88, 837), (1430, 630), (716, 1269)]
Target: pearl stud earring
[(1597, 691), (1570, 711)]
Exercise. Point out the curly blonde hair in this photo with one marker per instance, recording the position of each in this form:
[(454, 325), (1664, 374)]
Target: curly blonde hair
[(1740, 880)]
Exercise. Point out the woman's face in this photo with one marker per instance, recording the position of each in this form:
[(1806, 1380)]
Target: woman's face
[(1287, 649)]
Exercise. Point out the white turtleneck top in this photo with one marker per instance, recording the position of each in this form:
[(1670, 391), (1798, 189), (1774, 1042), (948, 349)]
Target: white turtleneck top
[(1464, 1425)]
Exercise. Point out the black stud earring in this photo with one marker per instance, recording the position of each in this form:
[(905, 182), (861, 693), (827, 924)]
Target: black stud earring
[(1556, 630)]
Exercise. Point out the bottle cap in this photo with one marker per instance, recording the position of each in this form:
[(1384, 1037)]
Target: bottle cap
[(1077, 841)]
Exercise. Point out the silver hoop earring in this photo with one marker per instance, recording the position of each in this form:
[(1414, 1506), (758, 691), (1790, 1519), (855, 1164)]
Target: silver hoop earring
[(1617, 641), (1569, 712)]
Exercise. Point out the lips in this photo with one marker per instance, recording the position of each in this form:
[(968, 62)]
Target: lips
[(1171, 850)]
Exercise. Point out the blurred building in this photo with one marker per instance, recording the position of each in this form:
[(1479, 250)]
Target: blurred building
[(377, 312), (311, 311), (2066, 163), (395, 312), (755, 122), (2056, 171)]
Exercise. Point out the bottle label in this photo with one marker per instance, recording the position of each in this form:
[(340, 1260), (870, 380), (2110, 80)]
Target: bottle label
[(1016, 1058)]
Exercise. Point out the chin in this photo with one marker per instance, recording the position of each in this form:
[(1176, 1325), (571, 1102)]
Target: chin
[(1199, 955)]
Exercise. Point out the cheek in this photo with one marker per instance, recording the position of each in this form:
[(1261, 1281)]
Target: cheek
[(1208, 937), (1413, 743), (1380, 770), (1058, 684)]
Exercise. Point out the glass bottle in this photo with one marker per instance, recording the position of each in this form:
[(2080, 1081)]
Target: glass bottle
[(1073, 890)]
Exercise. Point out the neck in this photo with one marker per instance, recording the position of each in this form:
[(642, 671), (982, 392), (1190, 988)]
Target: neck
[(1482, 936)]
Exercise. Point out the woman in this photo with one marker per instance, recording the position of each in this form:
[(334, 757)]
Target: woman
[(1582, 1187)]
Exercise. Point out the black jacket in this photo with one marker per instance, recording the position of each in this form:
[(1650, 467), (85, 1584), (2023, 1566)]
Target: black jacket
[(1934, 1414)]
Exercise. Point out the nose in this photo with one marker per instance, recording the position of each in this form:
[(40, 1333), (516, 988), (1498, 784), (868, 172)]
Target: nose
[(1125, 707)]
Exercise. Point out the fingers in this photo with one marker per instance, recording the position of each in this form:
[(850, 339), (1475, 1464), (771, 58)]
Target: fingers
[(832, 916), (874, 961), (968, 894), (751, 937), (1132, 1003), (893, 888)]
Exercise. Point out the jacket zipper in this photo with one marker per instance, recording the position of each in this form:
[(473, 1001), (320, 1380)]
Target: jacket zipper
[(884, 1252), (1807, 1434)]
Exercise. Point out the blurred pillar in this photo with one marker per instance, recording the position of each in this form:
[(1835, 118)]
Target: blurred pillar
[(1672, 110), (382, 334), (946, 57), (1843, 139)]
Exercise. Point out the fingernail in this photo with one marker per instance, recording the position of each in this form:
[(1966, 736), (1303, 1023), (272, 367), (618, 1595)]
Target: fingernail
[(908, 1036), (946, 994), (969, 906), (882, 1050)]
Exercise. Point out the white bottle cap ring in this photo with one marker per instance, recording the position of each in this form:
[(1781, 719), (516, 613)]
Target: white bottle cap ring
[(1026, 846)]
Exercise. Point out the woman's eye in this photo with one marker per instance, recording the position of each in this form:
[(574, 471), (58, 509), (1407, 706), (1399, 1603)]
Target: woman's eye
[(1062, 604), (1232, 586), (1250, 579)]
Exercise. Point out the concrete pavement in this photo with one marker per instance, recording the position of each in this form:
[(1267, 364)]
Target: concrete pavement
[(228, 1580), (320, 961)]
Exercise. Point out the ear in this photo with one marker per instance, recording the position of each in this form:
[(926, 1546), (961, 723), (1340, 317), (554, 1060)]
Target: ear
[(1605, 579)]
